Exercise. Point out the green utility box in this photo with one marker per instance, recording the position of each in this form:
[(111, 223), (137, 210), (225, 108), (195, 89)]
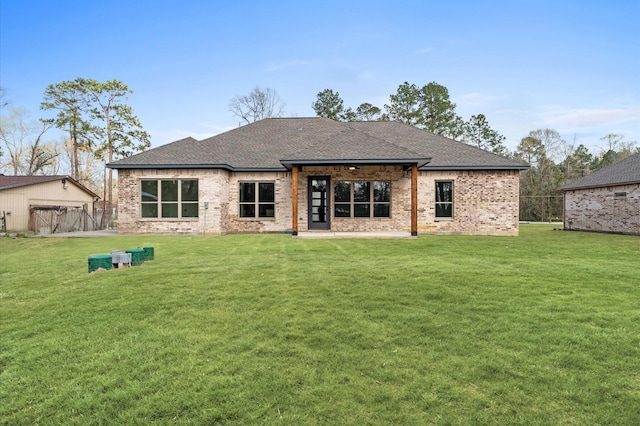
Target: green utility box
[(99, 261), (148, 253), (137, 256)]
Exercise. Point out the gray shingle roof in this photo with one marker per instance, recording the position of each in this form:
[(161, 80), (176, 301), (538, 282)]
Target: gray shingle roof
[(278, 143), (626, 171)]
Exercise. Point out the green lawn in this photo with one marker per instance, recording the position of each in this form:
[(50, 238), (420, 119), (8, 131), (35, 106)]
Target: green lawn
[(265, 329)]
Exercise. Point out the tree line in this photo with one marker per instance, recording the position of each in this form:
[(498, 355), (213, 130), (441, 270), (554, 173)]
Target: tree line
[(428, 107), (553, 161), (101, 127)]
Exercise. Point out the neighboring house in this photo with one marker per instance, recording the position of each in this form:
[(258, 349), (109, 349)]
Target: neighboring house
[(306, 174), (607, 200), (45, 204)]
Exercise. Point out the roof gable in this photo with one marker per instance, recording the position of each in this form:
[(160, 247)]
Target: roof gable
[(625, 171), (353, 145)]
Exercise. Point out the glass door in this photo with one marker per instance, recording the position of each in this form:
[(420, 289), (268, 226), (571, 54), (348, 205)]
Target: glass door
[(319, 202)]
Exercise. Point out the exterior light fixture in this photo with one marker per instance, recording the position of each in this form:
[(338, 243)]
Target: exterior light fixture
[(64, 183)]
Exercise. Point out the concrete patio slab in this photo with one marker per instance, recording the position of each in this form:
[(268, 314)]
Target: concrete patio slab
[(354, 234)]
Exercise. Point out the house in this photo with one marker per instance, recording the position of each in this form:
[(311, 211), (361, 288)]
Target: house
[(45, 204), (607, 200), (308, 174)]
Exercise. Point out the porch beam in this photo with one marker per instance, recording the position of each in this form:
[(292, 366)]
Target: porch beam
[(294, 200), (414, 200)]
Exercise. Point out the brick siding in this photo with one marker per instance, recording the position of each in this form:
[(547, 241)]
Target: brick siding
[(599, 209), (485, 202), (213, 186)]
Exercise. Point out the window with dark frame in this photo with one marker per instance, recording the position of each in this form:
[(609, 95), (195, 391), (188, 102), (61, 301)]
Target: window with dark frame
[(257, 199), (362, 199), (169, 198), (444, 199)]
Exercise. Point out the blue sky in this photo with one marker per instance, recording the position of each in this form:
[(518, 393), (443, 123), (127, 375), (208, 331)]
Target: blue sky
[(573, 66)]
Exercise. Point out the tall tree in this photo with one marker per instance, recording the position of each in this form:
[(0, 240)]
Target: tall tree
[(28, 153), (577, 163), (90, 169), (368, 112), (439, 113), (329, 104), (404, 105), (538, 185), (477, 132), (616, 149), (67, 98), (256, 105), (616, 142), (120, 130), (428, 108)]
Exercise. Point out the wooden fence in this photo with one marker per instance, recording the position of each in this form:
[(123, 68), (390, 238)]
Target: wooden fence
[(57, 219)]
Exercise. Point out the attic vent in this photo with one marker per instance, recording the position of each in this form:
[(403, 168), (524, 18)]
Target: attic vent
[(620, 195)]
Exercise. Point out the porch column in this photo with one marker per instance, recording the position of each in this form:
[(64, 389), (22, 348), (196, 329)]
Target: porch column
[(294, 200), (414, 200)]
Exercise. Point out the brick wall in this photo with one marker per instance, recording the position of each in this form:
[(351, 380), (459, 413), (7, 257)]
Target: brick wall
[(600, 209), (485, 202), (213, 186), (232, 222)]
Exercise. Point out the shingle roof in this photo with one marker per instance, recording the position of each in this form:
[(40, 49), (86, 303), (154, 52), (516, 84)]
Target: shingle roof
[(278, 143), (8, 182), (626, 171)]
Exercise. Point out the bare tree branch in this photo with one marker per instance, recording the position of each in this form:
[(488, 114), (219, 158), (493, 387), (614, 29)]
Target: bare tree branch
[(22, 141), (256, 105)]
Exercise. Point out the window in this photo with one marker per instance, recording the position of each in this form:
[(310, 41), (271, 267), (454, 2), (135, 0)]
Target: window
[(362, 199), (257, 197), (444, 199), (175, 198)]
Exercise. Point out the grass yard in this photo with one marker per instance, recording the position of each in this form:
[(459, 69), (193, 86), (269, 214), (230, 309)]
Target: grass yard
[(265, 329)]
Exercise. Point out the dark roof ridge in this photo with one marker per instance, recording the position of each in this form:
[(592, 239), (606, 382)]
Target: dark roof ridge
[(186, 139)]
